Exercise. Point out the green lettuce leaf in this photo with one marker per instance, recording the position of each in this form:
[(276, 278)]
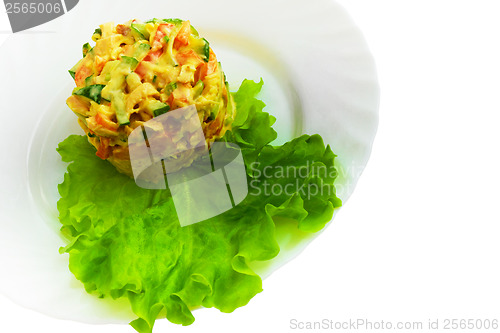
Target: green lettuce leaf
[(125, 241), (251, 128)]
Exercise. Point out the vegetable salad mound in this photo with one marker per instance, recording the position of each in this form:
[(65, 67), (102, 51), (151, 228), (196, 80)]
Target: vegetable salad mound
[(137, 71), (125, 241)]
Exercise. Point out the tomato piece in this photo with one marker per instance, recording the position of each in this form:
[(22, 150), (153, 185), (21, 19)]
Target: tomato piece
[(104, 150), (141, 70), (162, 31), (189, 56), (81, 74), (182, 38), (170, 101), (206, 68), (212, 63), (153, 56), (105, 122)]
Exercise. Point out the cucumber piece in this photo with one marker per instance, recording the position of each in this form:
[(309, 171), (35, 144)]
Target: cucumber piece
[(86, 48), (158, 108), (198, 89), (140, 30), (108, 69), (114, 92), (118, 104), (97, 34), (92, 92), (161, 111), (202, 47), (73, 69), (206, 50), (213, 113), (88, 80), (170, 87), (175, 21), (118, 75), (141, 51), (170, 52), (194, 31), (222, 77), (129, 62), (153, 20)]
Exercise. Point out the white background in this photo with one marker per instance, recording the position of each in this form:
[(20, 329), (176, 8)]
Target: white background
[(419, 238)]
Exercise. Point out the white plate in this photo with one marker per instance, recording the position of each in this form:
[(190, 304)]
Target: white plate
[(319, 78)]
